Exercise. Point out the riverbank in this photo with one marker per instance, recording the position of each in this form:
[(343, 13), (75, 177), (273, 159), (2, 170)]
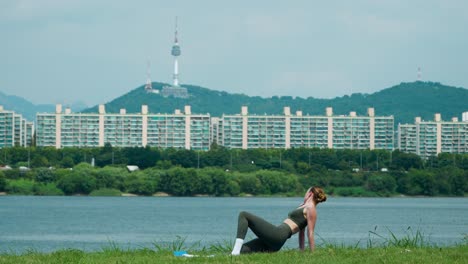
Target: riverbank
[(456, 254), (116, 193)]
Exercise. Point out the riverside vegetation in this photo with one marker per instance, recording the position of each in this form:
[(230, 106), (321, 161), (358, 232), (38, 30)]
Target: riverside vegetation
[(224, 172)]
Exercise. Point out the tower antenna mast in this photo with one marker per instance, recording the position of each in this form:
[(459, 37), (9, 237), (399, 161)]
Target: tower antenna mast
[(176, 53)]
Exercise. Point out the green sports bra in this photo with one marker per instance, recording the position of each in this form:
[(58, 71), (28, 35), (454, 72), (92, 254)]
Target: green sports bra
[(297, 216)]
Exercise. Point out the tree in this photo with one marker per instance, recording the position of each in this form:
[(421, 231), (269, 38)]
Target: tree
[(405, 161), (80, 180), (381, 183), (178, 181), (302, 167), (67, 162), (421, 183), (217, 156), (220, 181), (138, 183), (3, 182), (105, 155), (39, 161), (249, 183), (185, 158), (111, 177), (44, 175), (142, 157)]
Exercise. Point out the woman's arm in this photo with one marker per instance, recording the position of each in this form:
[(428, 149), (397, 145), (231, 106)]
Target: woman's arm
[(311, 219), (301, 239)]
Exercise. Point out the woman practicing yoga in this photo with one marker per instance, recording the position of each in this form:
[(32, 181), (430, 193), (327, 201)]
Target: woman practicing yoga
[(271, 238)]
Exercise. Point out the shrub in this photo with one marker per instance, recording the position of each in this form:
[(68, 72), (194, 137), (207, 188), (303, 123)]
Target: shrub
[(21, 186), (45, 175), (47, 189), (77, 182)]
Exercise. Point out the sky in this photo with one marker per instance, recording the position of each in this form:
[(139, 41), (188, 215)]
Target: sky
[(67, 51)]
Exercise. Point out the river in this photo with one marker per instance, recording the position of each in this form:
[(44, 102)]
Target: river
[(47, 224)]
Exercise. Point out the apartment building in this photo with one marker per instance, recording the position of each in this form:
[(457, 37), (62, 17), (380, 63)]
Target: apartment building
[(429, 138), (14, 129), (178, 130), (291, 131)]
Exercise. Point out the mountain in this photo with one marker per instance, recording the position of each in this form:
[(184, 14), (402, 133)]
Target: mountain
[(404, 101), (28, 109)]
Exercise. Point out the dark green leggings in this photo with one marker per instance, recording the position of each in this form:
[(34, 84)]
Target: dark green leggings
[(270, 238)]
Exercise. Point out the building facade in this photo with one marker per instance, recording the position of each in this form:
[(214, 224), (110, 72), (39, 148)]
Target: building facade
[(429, 138), (178, 130), (292, 131), (14, 129)]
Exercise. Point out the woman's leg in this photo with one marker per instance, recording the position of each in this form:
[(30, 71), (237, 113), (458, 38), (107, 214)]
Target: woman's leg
[(269, 235), (255, 245)]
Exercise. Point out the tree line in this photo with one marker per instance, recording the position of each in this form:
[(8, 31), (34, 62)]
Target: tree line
[(230, 172)]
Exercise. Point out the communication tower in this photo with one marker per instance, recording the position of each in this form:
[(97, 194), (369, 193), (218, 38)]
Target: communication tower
[(176, 53), (149, 84), (175, 90)]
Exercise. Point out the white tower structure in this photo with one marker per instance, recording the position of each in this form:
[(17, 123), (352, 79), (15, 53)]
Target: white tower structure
[(176, 53), (419, 77), (175, 90)]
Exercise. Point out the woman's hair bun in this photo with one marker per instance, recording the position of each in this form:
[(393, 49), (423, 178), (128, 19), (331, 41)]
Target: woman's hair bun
[(319, 194)]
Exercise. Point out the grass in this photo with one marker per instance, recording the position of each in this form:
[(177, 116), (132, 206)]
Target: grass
[(411, 248), (456, 254)]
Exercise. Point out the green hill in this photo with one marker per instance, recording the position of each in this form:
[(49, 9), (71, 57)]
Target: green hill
[(404, 101)]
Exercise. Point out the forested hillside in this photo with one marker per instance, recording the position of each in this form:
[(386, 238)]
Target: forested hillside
[(404, 101)]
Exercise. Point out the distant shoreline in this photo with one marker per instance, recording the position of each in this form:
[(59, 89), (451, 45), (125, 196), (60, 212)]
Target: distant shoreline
[(163, 195)]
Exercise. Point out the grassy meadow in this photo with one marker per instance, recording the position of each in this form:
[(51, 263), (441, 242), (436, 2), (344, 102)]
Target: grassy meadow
[(411, 248), (455, 254)]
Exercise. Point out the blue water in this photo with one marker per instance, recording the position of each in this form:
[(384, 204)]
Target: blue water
[(92, 223)]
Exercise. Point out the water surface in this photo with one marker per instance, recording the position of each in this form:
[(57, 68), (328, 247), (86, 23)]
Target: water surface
[(91, 223)]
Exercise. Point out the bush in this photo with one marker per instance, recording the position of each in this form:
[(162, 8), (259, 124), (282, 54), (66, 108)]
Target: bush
[(77, 182), (106, 192), (47, 189), (21, 186), (138, 183), (381, 183), (12, 174), (45, 175)]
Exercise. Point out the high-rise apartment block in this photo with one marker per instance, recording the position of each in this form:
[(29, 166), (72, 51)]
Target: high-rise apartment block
[(429, 138), (178, 130), (14, 129), (198, 131), (184, 130), (291, 131)]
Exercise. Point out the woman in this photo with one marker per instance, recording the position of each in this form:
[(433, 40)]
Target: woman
[(271, 238)]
